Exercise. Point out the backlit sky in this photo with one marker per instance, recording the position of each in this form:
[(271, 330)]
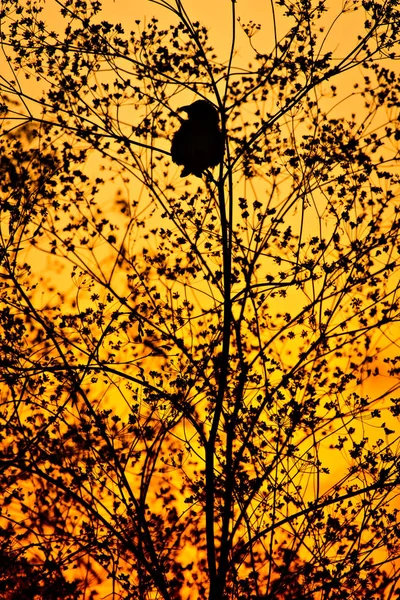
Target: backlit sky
[(216, 15)]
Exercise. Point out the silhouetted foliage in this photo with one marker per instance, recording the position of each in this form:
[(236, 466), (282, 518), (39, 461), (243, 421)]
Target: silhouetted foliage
[(199, 376)]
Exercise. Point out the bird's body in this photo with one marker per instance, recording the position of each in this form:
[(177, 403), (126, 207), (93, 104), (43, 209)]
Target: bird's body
[(199, 143)]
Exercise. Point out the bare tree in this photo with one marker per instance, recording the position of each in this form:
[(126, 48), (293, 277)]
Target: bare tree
[(199, 374)]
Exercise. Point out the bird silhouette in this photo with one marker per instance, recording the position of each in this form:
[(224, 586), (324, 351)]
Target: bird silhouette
[(198, 144)]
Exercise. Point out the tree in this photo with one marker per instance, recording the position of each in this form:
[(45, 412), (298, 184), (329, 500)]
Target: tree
[(190, 404)]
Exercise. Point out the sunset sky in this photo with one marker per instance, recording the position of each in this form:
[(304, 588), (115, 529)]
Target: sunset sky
[(155, 399)]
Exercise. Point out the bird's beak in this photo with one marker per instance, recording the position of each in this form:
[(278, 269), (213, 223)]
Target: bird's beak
[(180, 110)]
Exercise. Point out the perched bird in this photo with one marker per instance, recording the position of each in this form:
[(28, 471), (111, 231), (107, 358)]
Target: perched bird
[(199, 143)]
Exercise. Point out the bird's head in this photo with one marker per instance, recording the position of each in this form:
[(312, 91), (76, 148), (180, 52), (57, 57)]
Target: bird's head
[(201, 110)]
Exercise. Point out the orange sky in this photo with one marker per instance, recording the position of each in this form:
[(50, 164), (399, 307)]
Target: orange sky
[(216, 15)]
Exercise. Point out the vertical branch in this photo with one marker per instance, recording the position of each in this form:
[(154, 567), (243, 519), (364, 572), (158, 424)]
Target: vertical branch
[(217, 590)]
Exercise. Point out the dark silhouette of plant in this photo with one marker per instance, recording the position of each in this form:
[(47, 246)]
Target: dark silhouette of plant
[(199, 376)]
